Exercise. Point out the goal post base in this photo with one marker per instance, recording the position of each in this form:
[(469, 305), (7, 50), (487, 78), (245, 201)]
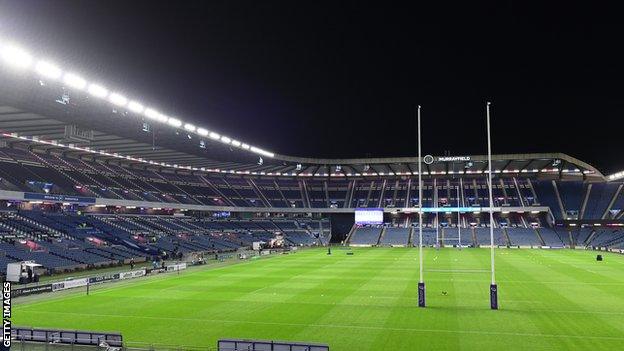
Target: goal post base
[(493, 296), (421, 294)]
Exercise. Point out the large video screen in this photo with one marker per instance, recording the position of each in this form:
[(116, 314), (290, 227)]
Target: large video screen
[(368, 216)]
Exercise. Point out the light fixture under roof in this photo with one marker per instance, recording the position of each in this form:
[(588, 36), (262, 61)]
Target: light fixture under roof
[(74, 81), (174, 122), (16, 56), (118, 99), (98, 91), (135, 107), (189, 127), (151, 113), (155, 115), (48, 70)]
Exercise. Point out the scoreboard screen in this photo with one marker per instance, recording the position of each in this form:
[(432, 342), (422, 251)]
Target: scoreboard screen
[(368, 216)]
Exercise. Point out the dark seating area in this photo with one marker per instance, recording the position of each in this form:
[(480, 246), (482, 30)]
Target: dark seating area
[(69, 241), (30, 171)]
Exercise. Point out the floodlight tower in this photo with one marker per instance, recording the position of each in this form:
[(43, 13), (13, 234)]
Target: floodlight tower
[(493, 287), (421, 282)]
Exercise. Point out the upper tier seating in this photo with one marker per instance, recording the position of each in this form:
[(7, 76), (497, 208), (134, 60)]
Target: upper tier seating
[(30, 171)]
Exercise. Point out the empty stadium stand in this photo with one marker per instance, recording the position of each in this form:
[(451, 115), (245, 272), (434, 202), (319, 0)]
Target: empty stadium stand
[(68, 241)]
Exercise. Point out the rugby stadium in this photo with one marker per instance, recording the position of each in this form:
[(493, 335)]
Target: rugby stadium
[(122, 227)]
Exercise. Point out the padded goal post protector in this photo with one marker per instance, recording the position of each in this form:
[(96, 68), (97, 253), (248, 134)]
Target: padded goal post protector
[(493, 296), (421, 294), (267, 345)]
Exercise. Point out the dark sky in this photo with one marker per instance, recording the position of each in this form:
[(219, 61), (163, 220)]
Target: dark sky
[(342, 79)]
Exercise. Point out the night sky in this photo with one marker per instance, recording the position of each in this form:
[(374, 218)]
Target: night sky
[(341, 79)]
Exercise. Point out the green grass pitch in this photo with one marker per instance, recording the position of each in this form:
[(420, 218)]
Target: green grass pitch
[(549, 300)]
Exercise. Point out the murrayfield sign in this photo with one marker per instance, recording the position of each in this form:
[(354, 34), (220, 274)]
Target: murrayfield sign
[(453, 158)]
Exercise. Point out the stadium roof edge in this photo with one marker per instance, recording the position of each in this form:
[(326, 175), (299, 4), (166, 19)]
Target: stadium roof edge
[(35, 118)]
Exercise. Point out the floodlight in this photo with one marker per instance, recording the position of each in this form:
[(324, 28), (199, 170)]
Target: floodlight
[(214, 136), (189, 127), (48, 70), (174, 122), (151, 113), (16, 56), (245, 146), (155, 115), (74, 81), (135, 107), (202, 131), (118, 99), (236, 143), (226, 140), (261, 152), (98, 91)]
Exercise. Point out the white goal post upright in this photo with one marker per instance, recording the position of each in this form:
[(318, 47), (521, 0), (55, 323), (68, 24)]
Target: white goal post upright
[(421, 282), (493, 287), (459, 219)]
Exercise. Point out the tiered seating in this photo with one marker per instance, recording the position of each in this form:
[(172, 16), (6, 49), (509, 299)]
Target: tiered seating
[(429, 236), (48, 260), (300, 237), (551, 238), (28, 171), (599, 198), (581, 236), (547, 197), (366, 236), (520, 236), (395, 236), (608, 237), (483, 236)]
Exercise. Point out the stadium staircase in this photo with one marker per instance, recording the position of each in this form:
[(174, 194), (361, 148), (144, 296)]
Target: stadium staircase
[(134, 180), (182, 191), (259, 193), (217, 191), (348, 238), (383, 232), (539, 237), (91, 179), (279, 191), (473, 236), (65, 174), (121, 186), (506, 236), (303, 188)]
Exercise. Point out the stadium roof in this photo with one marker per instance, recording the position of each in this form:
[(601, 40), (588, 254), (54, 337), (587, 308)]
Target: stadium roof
[(44, 107)]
